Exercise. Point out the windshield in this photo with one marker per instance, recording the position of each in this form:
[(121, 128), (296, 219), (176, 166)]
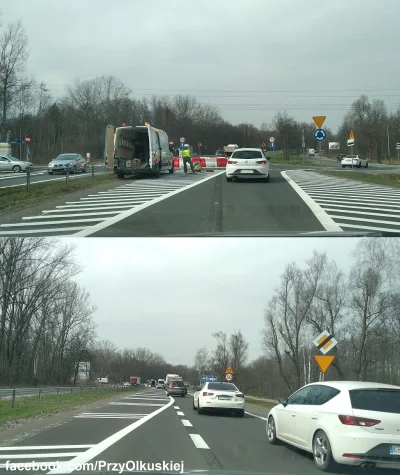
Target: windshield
[(66, 157)]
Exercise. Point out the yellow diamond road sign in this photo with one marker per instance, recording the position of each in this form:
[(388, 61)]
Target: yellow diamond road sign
[(319, 120), (325, 342)]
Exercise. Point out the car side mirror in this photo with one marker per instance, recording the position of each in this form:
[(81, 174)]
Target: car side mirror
[(283, 401), (198, 388)]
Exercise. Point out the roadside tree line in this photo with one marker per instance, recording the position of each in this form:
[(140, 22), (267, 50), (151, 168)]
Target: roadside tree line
[(77, 120)]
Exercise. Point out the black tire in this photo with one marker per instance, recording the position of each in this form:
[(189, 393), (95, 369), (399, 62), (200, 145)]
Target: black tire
[(171, 170), (16, 169), (239, 413), (359, 165), (84, 170), (50, 173), (229, 178), (73, 170), (120, 176), (266, 180), (183, 395), (157, 172), (323, 459), (200, 410), (343, 166), (194, 407), (366, 165), (271, 431)]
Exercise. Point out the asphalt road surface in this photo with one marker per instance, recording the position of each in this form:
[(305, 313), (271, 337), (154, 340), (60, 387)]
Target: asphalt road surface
[(11, 179), (294, 201), (150, 427), (333, 164)]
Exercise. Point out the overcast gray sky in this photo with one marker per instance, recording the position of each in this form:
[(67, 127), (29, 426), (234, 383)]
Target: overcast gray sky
[(170, 294), (314, 57)]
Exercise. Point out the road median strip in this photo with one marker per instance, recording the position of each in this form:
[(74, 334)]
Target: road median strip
[(29, 407), (14, 198)]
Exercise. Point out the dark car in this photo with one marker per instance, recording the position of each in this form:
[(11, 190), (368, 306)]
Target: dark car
[(176, 388), (73, 161)]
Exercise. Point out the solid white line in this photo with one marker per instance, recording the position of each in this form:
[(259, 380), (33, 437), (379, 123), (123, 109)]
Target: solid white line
[(110, 414), (134, 404), (87, 220), (180, 413), (326, 221), (45, 447), (70, 215), (147, 398), (37, 231), (108, 417), (42, 455), (186, 423), (128, 213), (255, 415), (199, 441), (68, 467), (94, 208)]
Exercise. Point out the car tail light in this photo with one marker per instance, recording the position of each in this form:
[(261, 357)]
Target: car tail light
[(170, 386), (232, 162), (239, 395), (208, 394), (262, 162), (358, 421)]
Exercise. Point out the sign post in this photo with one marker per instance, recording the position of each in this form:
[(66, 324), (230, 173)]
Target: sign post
[(319, 134), (325, 342), (350, 143), (28, 142), (398, 151), (199, 145), (229, 374)]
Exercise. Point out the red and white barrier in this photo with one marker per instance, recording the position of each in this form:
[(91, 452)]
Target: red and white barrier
[(205, 162)]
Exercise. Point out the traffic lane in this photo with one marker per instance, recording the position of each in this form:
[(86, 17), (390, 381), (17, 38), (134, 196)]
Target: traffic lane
[(241, 444), (162, 439), (216, 207), (372, 167), (21, 178)]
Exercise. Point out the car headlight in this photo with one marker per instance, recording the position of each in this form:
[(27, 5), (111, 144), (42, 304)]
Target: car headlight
[(51, 164)]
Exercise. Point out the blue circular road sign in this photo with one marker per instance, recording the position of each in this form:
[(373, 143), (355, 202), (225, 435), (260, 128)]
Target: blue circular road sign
[(319, 135)]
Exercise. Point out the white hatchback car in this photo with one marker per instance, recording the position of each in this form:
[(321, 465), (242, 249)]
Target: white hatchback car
[(352, 423), (247, 163), (354, 160), (219, 396)]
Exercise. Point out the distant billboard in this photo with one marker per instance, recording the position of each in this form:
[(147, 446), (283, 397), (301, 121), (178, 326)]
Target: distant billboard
[(334, 145)]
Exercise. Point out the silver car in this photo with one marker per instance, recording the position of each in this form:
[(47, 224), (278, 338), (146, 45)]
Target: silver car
[(12, 164), (73, 161), (176, 388)]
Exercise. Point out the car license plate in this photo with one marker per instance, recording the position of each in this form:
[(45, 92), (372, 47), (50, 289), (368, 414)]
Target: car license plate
[(246, 171), (224, 397), (394, 449)]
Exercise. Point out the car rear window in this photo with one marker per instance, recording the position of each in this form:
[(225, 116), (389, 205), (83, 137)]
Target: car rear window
[(177, 383), (222, 387), (381, 400), (247, 154)]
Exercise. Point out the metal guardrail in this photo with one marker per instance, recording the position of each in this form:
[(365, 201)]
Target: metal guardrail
[(13, 393)]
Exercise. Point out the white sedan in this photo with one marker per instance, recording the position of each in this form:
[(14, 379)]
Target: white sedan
[(219, 396), (355, 161), (352, 423), (247, 163)]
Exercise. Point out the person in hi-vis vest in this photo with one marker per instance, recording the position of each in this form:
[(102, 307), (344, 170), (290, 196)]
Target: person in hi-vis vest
[(187, 158)]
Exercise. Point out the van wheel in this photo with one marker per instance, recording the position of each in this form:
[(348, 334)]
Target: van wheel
[(157, 173), (121, 176), (171, 170)]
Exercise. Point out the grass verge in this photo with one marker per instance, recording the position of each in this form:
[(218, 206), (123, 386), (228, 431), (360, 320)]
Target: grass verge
[(388, 179), (26, 407), (17, 197), (293, 160), (264, 404)]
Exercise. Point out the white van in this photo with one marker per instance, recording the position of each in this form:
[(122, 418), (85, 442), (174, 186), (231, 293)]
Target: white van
[(142, 150), (160, 384)]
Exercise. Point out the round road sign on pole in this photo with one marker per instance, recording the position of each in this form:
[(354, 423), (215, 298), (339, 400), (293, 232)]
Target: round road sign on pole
[(27, 139), (320, 135), (182, 140), (272, 139), (228, 377)]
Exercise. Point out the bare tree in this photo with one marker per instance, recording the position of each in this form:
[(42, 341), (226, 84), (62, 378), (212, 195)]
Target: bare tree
[(220, 357)]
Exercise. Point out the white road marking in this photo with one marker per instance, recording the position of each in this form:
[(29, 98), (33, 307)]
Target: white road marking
[(147, 398), (255, 415), (128, 213), (186, 423), (35, 231), (199, 441), (134, 404), (87, 220), (78, 215), (53, 179), (180, 413), (106, 443), (42, 455), (176, 407), (45, 447), (319, 213)]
